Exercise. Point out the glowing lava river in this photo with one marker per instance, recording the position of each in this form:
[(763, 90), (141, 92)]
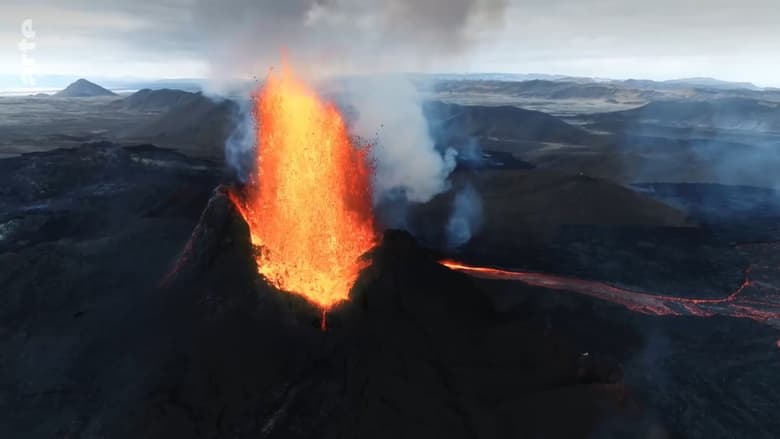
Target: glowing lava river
[(754, 298)]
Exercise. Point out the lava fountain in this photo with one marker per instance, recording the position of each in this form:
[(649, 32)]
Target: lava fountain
[(308, 205)]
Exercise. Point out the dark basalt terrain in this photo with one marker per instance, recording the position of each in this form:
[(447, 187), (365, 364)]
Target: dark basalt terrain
[(86, 235), (117, 322), (131, 307), (418, 351)]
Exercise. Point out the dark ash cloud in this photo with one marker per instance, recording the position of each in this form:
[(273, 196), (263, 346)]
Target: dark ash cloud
[(342, 35)]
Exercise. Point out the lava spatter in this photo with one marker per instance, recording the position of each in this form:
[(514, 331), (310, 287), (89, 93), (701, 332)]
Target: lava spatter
[(309, 205)]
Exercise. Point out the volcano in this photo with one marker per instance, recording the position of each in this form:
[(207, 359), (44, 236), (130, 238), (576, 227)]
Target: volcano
[(416, 351), (411, 348), (82, 88)]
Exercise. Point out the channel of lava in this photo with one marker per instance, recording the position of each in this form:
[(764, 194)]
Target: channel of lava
[(751, 299)]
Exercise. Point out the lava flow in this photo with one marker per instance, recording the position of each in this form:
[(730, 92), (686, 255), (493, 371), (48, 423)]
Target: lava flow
[(308, 206), (761, 307)]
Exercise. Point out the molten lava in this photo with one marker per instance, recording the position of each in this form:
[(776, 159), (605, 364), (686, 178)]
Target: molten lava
[(751, 299), (309, 205)]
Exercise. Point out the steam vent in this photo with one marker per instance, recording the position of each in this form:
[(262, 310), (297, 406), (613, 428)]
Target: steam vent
[(416, 351)]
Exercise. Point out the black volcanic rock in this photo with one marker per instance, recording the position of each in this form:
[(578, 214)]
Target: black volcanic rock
[(542, 202), (82, 88), (86, 234), (91, 347), (418, 351)]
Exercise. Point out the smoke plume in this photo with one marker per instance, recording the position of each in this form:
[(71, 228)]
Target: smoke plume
[(239, 147), (466, 217), (324, 39), (244, 37), (388, 110)]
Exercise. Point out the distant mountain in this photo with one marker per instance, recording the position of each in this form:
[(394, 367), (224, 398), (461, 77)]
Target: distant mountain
[(158, 100), (702, 82), (600, 96), (499, 123), (190, 122), (548, 89), (729, 113), (184, 84), (689, 83), (516, 77), (82, 89), (713, 83)]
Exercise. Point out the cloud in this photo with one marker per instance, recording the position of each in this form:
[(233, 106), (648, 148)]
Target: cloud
[(623, 38), (342, 35)]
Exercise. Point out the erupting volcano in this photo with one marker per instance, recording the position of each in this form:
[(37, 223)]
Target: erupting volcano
[(308, 206)]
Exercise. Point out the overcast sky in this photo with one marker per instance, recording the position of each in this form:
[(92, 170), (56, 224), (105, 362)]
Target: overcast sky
[(659, 39)]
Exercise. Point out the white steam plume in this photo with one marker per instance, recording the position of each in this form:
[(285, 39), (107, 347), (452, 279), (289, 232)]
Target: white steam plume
[(390, 112), (327, 38), (466, 217)]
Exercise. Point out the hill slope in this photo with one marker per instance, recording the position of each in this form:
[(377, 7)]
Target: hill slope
[(82, 88), (187, 121), (499, 122), (729, 113), (158, 100), (527, 208)]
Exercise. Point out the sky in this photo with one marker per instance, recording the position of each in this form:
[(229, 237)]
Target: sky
[(659, 39)]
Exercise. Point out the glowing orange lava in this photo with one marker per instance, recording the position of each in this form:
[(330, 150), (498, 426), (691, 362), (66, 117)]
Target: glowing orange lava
[(309, 205), (750, 299)]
